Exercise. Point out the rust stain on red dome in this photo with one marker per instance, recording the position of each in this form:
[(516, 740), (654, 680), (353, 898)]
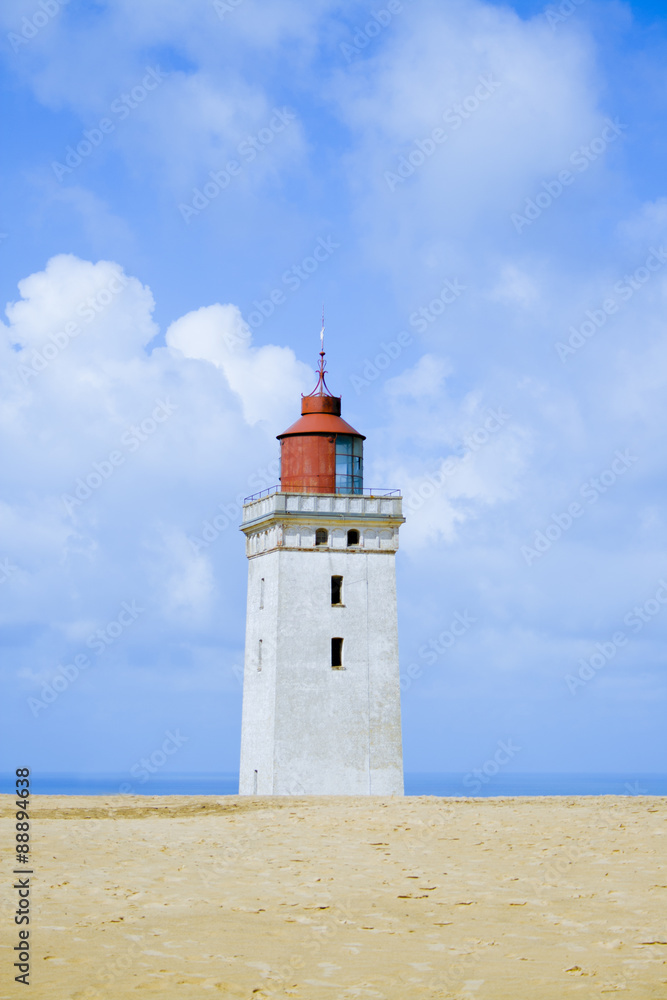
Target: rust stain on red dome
[(320, 423)]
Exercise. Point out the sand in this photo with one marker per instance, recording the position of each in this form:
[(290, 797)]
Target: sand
[(343, 898)]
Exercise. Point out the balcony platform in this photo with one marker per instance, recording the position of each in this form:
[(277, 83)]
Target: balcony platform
[(290, 520)]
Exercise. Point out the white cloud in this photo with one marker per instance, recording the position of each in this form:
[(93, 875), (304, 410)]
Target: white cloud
[(183, 578), (86, 530), (267, 379), (458, 489), (448, 213), (110, 310), (193, 120), (424, 379), (647, 225), (515, 287), (491, 349)]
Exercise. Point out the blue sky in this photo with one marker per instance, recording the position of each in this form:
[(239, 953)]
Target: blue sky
[(485, 188)]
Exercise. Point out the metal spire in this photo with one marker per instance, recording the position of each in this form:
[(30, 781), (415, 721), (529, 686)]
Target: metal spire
[(321, 389)]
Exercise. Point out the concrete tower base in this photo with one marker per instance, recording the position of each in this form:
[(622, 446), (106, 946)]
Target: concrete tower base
[(312, 726)]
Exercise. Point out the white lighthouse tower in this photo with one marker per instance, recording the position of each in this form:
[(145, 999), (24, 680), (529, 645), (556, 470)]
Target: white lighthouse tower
[(321, 694)]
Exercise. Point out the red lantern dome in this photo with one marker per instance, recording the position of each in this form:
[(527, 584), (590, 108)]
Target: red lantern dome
[(321, 453)]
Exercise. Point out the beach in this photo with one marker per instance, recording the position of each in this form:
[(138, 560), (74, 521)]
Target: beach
[(342, 898)]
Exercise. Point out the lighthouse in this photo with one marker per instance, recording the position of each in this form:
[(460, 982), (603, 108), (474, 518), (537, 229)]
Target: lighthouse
[(321, 693)]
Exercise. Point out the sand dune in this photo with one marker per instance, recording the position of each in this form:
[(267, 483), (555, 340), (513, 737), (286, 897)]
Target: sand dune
[(348, 898)]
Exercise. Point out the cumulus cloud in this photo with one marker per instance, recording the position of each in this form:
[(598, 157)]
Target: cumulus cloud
[(424, 379), (117, 450), (267, 379), (470, 455), (83, 294), (514, 100)]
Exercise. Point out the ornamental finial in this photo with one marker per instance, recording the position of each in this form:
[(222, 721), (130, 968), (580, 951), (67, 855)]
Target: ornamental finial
[(321, 389)]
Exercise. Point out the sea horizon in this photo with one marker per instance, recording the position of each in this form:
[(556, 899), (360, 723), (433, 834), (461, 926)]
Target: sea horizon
[(440, 784)]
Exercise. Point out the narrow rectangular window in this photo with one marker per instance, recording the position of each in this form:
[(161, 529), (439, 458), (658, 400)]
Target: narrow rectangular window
[(337, 654), (254, 783), (349, 463), (261, 593), (259, 655), (336, 589)]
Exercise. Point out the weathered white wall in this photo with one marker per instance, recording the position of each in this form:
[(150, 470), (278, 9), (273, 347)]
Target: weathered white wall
[(257, 725), (307, 728)]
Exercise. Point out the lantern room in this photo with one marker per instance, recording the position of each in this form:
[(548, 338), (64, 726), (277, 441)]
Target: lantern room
[(321, 453)]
